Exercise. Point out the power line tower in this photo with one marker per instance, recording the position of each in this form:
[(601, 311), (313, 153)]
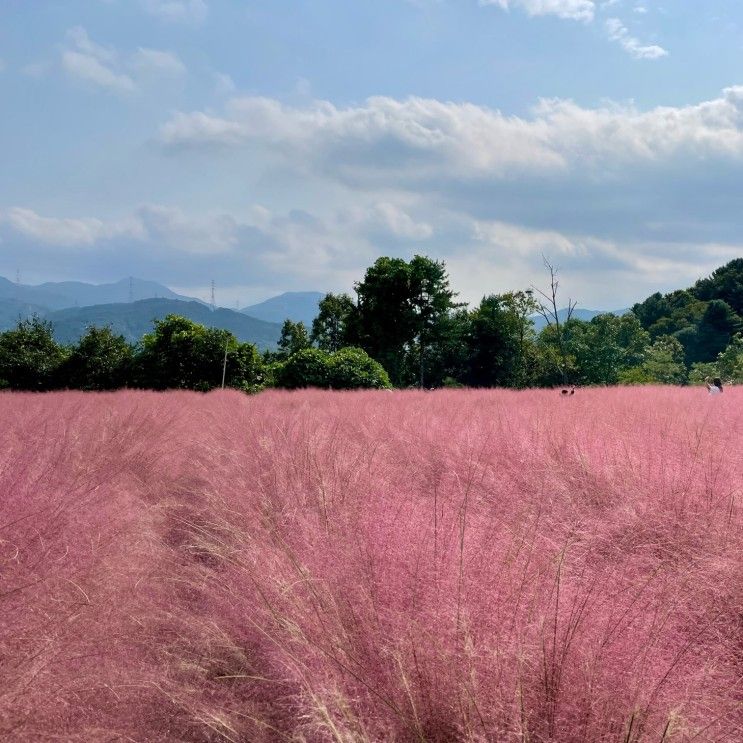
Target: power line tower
[(213, 304), (131, 290)]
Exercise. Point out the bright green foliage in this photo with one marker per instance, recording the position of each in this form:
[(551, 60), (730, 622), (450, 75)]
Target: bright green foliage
[(294, 338), (348, 368), (606, 346), (700, 372), (353, 368), (101, 360), (664, 362), (306, 368), (30, 358), (730, 361), (180, 354), (334, 326)]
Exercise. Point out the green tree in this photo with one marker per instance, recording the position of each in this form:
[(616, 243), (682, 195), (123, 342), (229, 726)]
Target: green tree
[(294, 338), (101, 360), (334, 326), (308, 367), (718, 325), (726, 283), (403, 313), (30, 358), (730, 361), (500, 336), (664, 361), (353, 368), (606, 346), (181, 354)]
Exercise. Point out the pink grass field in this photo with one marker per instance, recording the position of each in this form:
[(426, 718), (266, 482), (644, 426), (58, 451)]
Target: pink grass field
[(357, 567)]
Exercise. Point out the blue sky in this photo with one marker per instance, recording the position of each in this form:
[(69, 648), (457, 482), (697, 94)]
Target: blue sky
[(285, 145)]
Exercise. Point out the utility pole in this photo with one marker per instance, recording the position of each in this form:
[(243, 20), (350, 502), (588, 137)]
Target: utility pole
[(224, 365)]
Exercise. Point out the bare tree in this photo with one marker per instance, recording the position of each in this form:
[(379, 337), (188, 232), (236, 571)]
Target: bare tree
[(547, 308)]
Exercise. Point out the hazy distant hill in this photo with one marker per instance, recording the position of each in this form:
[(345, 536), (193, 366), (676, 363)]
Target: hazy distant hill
[(60, 294), (578, 314), (134, 319), (11, 311), (296, 306)]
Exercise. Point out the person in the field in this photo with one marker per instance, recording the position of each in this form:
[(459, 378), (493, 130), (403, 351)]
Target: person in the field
[(714, 387)]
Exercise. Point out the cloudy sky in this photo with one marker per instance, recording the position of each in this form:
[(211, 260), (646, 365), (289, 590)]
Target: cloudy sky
[(285, 144)]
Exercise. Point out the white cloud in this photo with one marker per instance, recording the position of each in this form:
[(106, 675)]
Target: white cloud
[(618, 32), (105, 67), (422, 139), (84, 232), (577, 10), (91, 70), (178, 11), (155, 61), (224, 85)]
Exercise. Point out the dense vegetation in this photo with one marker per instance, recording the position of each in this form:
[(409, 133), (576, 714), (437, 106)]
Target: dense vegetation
[(410, 568), (405, 328)]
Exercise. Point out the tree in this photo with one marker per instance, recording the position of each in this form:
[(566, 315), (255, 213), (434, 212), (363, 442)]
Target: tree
[(726, 283), (402, 315), (716, 329), (664, 361), (308, 367), (101, 360), (293, 338), (499, 331), (730, 361), (334, 326), (548, 309), (353, 368), (181, 354), (606, 346), (30, 358)]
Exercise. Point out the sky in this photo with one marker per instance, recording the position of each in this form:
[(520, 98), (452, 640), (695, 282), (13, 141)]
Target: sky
[(284, 145)]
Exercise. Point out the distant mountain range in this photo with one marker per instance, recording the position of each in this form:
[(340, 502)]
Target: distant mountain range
[(73, 306), (296, 306), (61, 294), (134, 319), (129, 307), (578, 314)]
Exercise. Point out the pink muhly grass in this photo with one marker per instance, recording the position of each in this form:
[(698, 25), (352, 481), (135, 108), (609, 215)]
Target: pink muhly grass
[(357, 567)]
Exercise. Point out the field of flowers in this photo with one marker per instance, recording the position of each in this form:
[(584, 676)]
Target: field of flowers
[(357, 567)]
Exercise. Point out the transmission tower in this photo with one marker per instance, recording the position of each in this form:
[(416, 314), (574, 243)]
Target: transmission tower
[(131, 290), (213, 304)]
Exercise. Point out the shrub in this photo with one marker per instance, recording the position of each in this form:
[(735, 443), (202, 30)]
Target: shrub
[(353, 368), (306, 368)]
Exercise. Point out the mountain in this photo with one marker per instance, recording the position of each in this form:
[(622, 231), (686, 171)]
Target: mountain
[(13, 310), (134, 319), (296, 306), (61, 294), (578, 314)]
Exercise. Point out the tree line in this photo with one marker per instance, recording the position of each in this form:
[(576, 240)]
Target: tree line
[(405, 328)]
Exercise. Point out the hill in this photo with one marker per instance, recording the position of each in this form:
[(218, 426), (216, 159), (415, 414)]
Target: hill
[(296, 306), (13, 310), (578, 314), (58, 295), (134, 319)]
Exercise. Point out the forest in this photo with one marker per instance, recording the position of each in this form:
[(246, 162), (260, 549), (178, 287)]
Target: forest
[(405, 328)]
